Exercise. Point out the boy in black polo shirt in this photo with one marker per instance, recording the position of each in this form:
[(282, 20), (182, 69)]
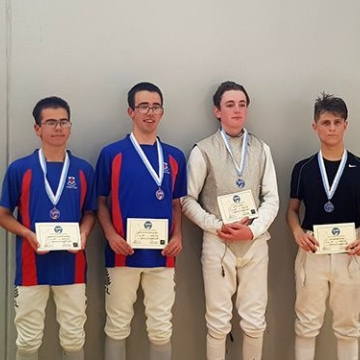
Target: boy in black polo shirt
[(328, 183)]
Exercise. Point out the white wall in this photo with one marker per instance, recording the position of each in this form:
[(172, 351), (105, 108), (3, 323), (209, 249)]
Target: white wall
[(91, 52)]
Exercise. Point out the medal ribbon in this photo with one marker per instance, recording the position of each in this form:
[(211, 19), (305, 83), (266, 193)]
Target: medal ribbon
[(54, 198), (157, 178), (330, 191), (239, 167)]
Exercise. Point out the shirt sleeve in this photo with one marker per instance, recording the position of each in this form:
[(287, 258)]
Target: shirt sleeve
[(90, 197), (103, 174), (197, 173), (11, 189), (180, 187), (269, 198), (295, 189)]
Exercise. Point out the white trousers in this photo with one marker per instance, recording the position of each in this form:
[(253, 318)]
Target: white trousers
[(319, 277), (30, 305), (121, 293), (305, 348), (247, 277)]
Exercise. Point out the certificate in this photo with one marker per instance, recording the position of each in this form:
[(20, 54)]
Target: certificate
[(236, 206), (58, 236), (333, 238), (147, 233)]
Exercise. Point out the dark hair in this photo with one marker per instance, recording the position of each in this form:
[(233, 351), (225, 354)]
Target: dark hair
[(52, 102), (330, 103), (227, 86), (143, 86)]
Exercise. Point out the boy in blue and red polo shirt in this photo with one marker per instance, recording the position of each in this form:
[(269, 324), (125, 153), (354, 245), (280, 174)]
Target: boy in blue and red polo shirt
[(49, 186), (141, 178)]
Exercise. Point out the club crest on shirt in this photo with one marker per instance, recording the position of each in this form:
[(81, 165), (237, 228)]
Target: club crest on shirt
[(71, 183), (166, 168)]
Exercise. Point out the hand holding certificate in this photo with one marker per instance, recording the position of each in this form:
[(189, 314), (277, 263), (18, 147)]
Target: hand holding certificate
[(58, 236), (333, 238), (236, 206), (147, 233)]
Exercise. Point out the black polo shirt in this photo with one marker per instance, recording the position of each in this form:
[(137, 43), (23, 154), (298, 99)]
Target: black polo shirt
[(307, 186)]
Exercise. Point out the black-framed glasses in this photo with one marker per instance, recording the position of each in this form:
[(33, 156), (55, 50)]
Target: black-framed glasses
[(145, 108), (52, 123)]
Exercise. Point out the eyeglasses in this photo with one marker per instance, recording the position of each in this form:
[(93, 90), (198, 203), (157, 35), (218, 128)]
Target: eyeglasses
[(144, 109), (53, 123)]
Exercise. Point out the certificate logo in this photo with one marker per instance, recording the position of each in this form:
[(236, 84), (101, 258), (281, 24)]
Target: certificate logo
[(147, 225), (335, 231), (236, 199), (58, 229)]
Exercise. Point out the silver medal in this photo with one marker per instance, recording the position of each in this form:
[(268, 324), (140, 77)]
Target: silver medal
[(329, 207), (158, 178), (240, 183), (330, 190), (54, 213), (159, 194), (241, 166)]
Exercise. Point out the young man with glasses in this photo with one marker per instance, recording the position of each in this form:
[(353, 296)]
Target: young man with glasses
[(328, 184), (142, 179), (50, 188), (232, 196)]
